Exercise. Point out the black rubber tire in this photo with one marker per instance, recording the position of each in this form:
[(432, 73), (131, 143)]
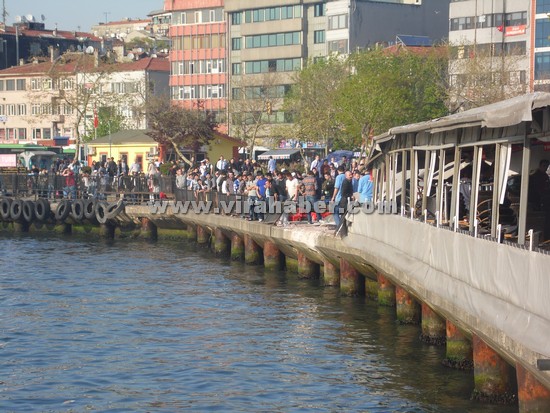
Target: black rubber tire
[(5, 207), (77, 210), (16, 210), (114, 209), (28, 211), (101, 212), (89, 209), (63, 210), (42, 209)]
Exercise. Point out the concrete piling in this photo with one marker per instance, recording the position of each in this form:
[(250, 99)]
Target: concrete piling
[(493, 378), (351, 282), (222, 245), (407, 308), (331, 274), (306, 267), (458, 349), (148, 229), (273, 258), (433, 327), (203, 235), (252, 251), (533, 397), (237, 247), (386, 291)]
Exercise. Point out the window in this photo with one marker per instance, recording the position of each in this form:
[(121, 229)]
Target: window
[(10, 84), (2, 110), (1, 85), (319, 9), (236, 18), (2, 134), (516, 19), (338, 46), (37, 134), (235, 68), (236, 43), (46, 133), (319, 36), (21, 84), (338, 22), (543, 6), (21, 134), (11, 110), (21, 109)]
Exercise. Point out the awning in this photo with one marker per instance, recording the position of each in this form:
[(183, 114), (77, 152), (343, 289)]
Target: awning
[(278, 154)]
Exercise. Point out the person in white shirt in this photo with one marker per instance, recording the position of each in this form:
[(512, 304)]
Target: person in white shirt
[(292, 186)]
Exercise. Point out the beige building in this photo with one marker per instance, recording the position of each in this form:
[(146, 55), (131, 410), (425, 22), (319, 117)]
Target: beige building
[(120, 29), (52, 103)]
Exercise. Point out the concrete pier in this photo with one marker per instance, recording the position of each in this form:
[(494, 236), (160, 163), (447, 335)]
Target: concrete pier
[(386, 291), (458, 350), (371, 288), (306, 267), (203, 235), (351, 282), (533, 397), (20, 227), (331, 274), (222, 245), (407, 308), (252, 251), (494, 379), (237, 247), (273, 258), (433, 327)]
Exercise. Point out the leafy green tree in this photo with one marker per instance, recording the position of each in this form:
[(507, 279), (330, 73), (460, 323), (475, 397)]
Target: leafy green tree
[(392, 88), (177, 127), (312, 101), (110, 121)]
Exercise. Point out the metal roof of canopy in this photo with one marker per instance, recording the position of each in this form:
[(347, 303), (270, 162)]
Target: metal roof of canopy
[(497, 115), (278, 154)]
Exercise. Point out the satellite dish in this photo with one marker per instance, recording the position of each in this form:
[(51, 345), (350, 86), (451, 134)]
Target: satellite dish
[(90, 50), (131, 56), (30, 18), (18, 19), (43, 17)]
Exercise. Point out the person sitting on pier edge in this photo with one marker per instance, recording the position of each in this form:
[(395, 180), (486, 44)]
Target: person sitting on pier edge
[(337, 194)]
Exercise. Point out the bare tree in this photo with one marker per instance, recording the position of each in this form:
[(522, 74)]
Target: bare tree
[(253, 107)]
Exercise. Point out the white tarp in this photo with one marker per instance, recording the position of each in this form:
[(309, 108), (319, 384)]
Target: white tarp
[(506, 287)]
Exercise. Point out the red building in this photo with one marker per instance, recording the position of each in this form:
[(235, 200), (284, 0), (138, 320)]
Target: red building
[(198, 75)]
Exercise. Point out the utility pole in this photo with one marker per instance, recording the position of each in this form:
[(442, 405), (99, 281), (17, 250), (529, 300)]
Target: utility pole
[(4, 12), (106, 13)]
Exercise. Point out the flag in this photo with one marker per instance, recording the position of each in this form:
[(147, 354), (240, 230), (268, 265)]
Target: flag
[(96, 119)]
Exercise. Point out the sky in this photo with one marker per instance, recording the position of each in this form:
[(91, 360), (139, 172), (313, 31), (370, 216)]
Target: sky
[(72, 14)]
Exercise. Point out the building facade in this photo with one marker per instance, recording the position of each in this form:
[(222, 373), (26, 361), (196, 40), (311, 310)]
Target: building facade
[(269, 41), (508, 39), (198, 58), (52, 103)]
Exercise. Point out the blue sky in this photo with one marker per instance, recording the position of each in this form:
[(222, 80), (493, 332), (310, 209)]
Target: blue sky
[(70, 14)]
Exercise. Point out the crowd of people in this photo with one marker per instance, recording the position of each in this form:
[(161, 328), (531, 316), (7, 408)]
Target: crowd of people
[(327, 181)]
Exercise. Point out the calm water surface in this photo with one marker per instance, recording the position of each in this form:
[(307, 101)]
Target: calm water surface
[(165, 327)]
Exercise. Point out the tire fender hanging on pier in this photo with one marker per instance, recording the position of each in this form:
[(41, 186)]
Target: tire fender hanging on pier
[(28, 211), (5, 207), (42, 209), (77, 210), (63, 210), (16, 210)]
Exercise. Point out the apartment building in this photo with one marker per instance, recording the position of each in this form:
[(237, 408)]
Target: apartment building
[(198, 59), (268, 41), (51, 103), (511, 34), (120, 29)]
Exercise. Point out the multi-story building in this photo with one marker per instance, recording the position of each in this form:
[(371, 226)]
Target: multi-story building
[(198, 55), (27, 40), (512, 37), (270, 40), (119, 29), (52, 102)]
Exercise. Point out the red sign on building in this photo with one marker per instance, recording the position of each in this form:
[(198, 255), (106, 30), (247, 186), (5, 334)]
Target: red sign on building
[(515, 30)]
